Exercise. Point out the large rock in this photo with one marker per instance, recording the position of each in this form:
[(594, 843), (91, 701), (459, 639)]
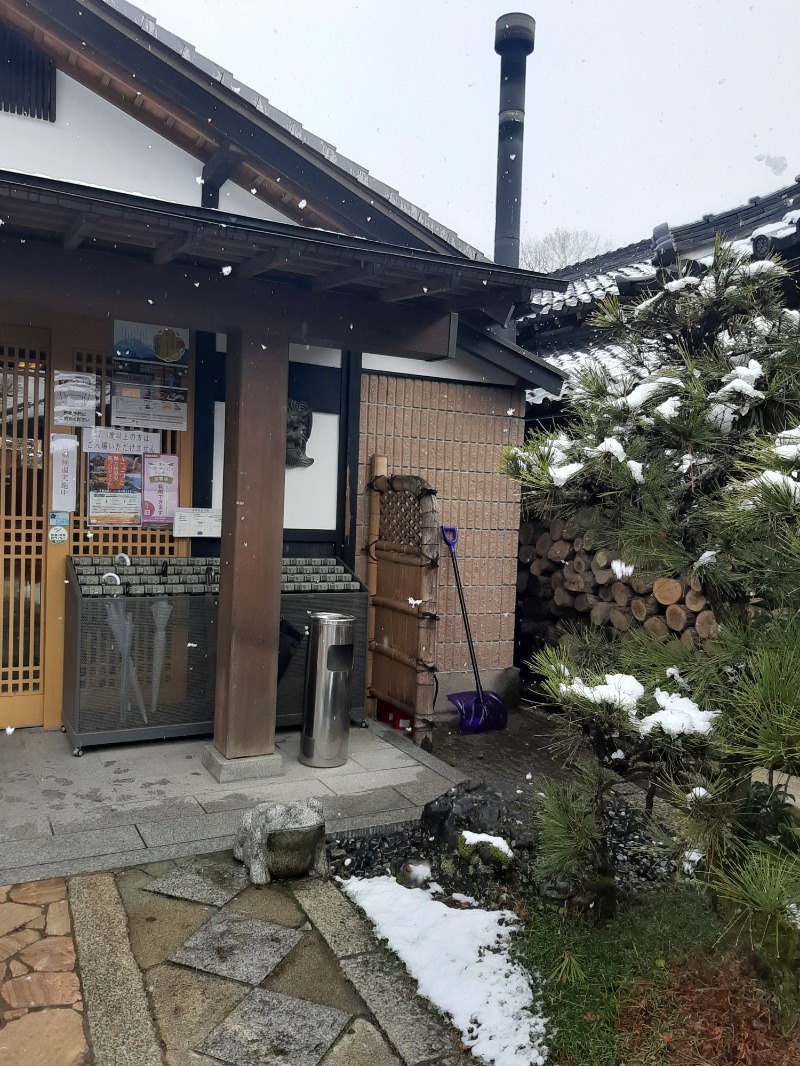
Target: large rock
[(467, 806), (279, 840)]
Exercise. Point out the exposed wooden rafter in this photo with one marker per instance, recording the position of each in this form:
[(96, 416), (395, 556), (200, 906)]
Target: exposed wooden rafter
[(337, 279), (80, 229), (271, 260), (423, 287), (177, 245)]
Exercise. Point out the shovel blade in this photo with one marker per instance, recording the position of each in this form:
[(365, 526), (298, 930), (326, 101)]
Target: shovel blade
[(476, 715)]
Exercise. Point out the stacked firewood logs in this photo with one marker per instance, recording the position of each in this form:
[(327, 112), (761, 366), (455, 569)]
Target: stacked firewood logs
[(561, 575)]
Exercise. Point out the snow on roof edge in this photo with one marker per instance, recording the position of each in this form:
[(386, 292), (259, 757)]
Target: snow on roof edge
[(187, 51)]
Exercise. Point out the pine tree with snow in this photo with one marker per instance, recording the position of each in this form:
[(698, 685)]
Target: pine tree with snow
[(685, 465)]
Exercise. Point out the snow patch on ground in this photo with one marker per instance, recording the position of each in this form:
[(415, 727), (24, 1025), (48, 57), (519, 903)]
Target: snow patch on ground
[(471, 839), (461, 962)]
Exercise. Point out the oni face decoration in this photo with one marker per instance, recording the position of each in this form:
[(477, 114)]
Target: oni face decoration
[(299, 419)]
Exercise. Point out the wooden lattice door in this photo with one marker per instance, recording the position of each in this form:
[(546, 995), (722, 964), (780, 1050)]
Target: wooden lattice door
[(403, 624), (24, 357)]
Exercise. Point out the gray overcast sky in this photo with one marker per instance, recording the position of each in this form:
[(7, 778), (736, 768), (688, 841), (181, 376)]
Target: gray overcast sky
[(638, 111)]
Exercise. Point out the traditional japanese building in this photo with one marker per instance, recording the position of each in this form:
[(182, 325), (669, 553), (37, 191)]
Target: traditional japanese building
[(147, 198)]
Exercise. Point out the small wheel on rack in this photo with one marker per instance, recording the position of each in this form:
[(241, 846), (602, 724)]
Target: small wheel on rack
[(77, 752), (63, 729)]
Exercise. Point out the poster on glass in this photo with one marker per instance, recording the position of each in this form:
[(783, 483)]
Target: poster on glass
[(159, 489), (149, 382), (114, 486)]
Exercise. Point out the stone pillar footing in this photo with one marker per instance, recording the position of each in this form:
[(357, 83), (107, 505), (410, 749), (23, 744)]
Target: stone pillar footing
[(248, 768)]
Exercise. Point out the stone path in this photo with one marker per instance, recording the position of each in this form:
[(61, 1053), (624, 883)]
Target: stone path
[(41, 1007), (183, 963)]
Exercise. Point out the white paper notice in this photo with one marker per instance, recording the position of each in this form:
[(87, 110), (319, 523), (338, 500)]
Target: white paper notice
[(74, 398), (64, 452), (124, 441), (197, 522)]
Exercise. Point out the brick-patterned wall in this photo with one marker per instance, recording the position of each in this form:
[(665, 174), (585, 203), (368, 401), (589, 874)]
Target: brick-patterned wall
[(451, 435)]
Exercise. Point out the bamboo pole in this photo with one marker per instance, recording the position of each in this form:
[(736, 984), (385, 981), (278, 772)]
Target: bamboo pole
[(379, 467)]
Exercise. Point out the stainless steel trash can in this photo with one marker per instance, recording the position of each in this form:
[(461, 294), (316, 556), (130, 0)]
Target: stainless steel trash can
[(326, 699)]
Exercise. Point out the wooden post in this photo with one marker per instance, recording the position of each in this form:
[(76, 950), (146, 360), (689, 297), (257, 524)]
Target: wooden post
[(252, 537), (379, 465)]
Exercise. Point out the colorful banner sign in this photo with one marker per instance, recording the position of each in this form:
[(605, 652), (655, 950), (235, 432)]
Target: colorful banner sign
[(140, 342), (114, 486), (159, 489)]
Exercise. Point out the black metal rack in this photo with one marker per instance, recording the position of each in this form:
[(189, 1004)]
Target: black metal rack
[(140, 647)]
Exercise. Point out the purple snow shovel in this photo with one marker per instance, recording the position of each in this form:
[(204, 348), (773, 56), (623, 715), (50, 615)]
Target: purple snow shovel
[(478, 711)]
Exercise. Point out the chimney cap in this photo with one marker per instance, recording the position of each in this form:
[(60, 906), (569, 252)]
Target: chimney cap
[(514, 31)]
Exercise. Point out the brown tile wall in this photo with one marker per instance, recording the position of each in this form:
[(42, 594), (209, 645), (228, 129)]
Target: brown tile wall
[(451, 435)]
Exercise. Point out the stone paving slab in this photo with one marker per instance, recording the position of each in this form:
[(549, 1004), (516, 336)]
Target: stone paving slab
[(204, 882), (370, 779), (361, 1044), (50, 849), (375, 802), (335, 917), (113, 815), (190, 828), (236, 946), (248, 796), (417, 1034), (119, 860), (122, 1030), (269, 1029)]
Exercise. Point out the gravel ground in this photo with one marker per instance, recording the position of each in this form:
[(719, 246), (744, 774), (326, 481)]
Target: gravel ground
[(507, 765)]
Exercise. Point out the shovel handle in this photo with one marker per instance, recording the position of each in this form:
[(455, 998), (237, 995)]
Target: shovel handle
[(449, 536)]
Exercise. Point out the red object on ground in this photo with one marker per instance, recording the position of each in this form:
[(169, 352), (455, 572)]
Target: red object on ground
[(394, 717)]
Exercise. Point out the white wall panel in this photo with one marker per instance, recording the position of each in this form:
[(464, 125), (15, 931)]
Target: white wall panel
[(92, 142), (311, 492)]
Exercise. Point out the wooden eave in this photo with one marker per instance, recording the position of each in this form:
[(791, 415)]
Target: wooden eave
[(70, 217)]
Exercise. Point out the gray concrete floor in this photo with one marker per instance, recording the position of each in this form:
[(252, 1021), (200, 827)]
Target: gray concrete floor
[(129, 804)]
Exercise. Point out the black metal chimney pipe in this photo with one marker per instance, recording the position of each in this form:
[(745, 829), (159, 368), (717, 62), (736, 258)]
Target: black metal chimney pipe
[(513, 41)]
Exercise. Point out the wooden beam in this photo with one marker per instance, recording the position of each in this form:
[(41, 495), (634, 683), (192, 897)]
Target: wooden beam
[(260, 264), (78, 231), (248, 626), (177, 245), (337, 279), (222, 164), (423, 287), (39, 277)]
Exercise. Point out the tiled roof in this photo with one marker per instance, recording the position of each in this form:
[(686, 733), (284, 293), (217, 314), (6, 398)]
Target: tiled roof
[(763, 226), (775, 219), (579, 352), (243, 92)]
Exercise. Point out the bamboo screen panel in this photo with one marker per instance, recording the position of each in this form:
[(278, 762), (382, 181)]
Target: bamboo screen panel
[(94, 540), (24, 375)]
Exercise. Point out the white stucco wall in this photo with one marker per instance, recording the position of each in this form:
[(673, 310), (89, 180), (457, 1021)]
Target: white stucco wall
[(464, 367), (93, 143)]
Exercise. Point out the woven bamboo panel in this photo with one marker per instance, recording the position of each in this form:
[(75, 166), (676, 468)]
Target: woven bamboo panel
[(144, 540), (403, 646), (23, 376)]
